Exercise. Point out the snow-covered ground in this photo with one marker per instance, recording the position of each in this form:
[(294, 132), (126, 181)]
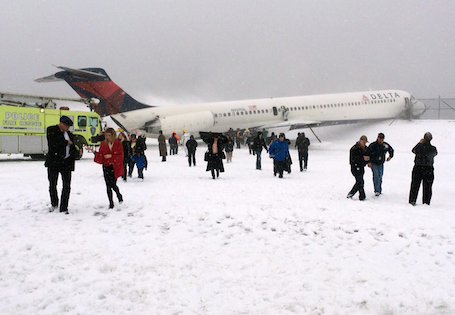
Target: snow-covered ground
[(246, 243)]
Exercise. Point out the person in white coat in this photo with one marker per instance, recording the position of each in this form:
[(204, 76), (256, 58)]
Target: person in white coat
[(185, 138)]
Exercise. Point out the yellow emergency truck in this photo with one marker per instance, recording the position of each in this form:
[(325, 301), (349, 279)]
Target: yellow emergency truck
[(23, 128)]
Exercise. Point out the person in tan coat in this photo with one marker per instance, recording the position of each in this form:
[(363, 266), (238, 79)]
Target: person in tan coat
[(162, 146)]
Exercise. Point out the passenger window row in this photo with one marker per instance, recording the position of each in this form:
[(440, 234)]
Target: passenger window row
[(297, 108)]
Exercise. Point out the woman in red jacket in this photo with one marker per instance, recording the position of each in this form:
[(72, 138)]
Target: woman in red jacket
[(110, 155)]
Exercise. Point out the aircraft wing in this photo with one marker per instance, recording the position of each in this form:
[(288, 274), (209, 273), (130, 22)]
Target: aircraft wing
[(292, 124), (301, 124)]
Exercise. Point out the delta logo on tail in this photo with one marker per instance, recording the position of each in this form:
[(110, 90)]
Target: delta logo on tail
[(95, 83)]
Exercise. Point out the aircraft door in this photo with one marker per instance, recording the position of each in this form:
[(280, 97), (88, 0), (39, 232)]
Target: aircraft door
[(408, 107), (275, 111)]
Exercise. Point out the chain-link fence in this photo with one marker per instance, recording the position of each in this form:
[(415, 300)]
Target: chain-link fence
[(439, 108)]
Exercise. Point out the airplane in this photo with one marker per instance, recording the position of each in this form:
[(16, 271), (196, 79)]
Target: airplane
[(263, 114)]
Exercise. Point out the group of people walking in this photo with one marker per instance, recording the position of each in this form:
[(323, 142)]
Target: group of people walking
[(374, 156), (119, 154)]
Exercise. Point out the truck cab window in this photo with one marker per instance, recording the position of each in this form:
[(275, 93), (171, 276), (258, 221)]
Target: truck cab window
[(82, 121), (93, 122)]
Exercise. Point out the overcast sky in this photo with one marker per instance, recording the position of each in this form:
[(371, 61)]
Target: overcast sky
[(210, 50)]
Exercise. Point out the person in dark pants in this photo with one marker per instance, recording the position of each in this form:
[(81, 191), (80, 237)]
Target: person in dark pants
[(126, 153), (302, 143), (214, 155), (376, 151), (191, 146), (279, 151), (173, 145), (358, 160), (258, 144), (60, 160), (110, 155), (131, 163), (423, 171), (238, 138)]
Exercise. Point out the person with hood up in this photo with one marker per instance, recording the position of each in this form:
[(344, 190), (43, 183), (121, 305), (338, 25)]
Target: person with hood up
[(423, 171), (302, 143)]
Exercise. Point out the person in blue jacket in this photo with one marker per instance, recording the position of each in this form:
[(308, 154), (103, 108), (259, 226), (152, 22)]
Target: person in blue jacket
[(377, 151), (279, 151), (138, 158)]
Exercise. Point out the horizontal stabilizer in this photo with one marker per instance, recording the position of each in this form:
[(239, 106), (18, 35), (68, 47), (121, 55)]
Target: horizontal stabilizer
[(77, 74)]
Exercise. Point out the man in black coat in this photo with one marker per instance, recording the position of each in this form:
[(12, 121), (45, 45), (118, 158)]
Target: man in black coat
[(358, 160), (258, 144), (302, 143), (191, 146), (60, 159), (423, 170)]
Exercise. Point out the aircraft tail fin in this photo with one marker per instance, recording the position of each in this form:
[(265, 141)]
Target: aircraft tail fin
[(95, 83)]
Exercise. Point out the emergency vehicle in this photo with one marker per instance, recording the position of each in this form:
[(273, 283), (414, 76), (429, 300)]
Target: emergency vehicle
[(25, 118)]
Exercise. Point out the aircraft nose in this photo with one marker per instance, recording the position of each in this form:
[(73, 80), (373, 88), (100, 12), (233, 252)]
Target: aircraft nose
[(418, 108)]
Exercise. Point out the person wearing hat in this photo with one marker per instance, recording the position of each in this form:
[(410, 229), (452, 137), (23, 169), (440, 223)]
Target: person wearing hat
[(423, 170), (377, 151), (358, 160), (60, 160)]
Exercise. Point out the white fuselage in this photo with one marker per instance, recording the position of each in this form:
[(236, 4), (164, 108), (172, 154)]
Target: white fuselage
[(265, 113)]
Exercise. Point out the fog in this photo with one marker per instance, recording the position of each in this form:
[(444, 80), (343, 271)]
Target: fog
[(165, 52)]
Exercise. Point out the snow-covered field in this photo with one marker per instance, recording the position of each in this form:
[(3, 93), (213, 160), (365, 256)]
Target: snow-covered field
[(246, 243)]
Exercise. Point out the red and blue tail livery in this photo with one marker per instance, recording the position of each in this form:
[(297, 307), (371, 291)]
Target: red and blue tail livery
[(95, 83)]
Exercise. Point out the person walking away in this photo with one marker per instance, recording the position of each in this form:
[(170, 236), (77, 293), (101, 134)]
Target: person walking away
[(186, 136), (279, 151), (377, 151), (110, 155), (249, 142), (302, 143), (191, 146), (162, 146), (229, 148), (126, 153), (423, 170), (358, 160), (258, 144), (60, 158), (173, 146)]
